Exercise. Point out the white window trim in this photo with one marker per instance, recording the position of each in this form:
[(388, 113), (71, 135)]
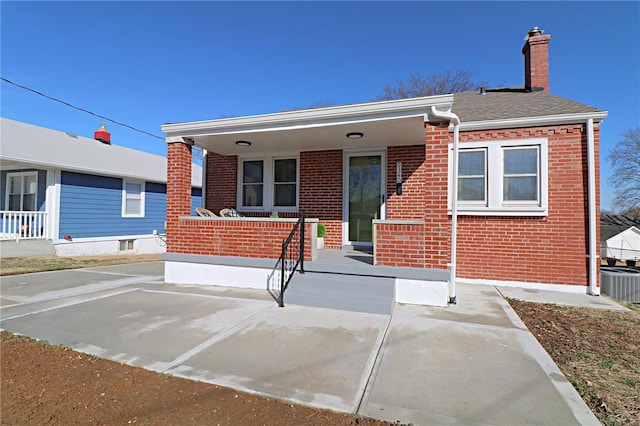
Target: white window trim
[(9, 176), (494, 205), (268, 184), (124, 198)]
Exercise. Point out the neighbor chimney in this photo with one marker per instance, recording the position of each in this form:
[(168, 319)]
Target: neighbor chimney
[(102, 135), (536, 60)]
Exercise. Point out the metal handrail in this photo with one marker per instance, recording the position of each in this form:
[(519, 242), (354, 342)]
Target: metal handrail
[(290, 258)]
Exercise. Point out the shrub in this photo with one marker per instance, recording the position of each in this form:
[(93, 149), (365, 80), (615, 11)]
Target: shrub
[(322, 230)]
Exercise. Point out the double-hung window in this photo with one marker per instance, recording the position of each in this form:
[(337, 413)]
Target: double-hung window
[(521, 175), (132, 199), (501, 178), (253, 183), (22, 191), (472, 176), (268, 184)]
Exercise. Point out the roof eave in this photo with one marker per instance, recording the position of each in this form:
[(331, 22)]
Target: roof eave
[(546, 120), (311, 117)]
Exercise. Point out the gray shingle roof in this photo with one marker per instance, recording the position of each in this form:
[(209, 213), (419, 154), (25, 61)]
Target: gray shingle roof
[(514, 102), (36, 146), (613, 224)]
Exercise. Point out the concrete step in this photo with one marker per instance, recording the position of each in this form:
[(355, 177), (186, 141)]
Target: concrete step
[(26, 248), (373, 295)]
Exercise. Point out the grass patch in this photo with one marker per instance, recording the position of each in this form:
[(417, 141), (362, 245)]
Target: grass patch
[(25, 265)]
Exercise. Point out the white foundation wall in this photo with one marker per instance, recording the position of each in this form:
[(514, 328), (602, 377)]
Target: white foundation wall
[(220, 275), (142, 244), (417, 292)]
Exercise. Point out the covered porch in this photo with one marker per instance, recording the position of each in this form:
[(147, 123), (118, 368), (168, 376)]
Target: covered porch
[(374, 174)]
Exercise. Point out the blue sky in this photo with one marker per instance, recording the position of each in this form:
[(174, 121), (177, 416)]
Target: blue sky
[(150, 63)]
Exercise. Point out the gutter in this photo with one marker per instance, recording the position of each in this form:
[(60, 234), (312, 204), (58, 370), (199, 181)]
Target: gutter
[(452, 118), (593, 256)]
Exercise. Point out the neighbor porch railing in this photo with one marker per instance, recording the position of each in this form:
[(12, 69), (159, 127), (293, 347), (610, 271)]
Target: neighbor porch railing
[(291, 257), (23, 225)]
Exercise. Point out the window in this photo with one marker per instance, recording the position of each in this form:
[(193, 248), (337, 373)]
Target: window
[(252, 183), (502, 177), (472, 171), (285, 182), (126, 245), (520, 174), (132, 199), (22, 191), (268, 184)]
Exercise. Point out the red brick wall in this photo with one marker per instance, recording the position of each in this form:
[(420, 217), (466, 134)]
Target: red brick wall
[(178, 187), (549, 249), (222, 182), (236, 238), (409, 205), (437, 221), (321, 191), (400, 245)]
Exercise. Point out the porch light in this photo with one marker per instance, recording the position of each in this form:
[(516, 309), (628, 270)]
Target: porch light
[(355, 135), (243, 143)]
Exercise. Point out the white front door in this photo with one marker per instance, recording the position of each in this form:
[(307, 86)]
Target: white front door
[(365, 193)]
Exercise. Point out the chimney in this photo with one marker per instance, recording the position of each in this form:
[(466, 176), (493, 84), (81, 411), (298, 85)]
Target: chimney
[(102, 135), (536, 60)]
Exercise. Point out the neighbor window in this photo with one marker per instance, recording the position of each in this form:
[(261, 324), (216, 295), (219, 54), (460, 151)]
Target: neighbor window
[(268, 184), (22, 191), (132, 199), (126, 245), (502, 177)]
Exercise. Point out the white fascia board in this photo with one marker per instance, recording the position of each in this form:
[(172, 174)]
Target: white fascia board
[(533, 121), (343, 114)]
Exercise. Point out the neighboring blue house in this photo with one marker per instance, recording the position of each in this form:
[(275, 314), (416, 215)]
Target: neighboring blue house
[(84, 196)]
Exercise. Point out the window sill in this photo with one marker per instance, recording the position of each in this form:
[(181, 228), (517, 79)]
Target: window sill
[(505, 211)]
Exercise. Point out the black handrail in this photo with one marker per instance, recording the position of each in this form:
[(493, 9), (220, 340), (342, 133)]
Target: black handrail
[(291, 256)]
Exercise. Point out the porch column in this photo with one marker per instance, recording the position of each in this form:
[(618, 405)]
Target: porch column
[(178, 185)]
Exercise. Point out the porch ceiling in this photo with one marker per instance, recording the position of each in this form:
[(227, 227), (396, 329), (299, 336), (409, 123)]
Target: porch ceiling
[(404, 131), (388, 123)]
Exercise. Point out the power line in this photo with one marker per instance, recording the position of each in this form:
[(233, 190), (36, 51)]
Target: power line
[(81, 109)]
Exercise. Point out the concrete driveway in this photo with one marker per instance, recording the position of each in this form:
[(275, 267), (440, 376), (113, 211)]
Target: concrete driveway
[(473, 363)]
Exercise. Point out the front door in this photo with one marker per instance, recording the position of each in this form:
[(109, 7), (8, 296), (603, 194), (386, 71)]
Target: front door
[(364, 178)]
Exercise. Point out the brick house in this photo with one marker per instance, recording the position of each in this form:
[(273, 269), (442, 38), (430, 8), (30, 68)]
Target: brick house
[(519, 207)]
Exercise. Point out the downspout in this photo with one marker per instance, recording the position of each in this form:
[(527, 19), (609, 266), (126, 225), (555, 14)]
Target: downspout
[(593, 288), (452, 118)]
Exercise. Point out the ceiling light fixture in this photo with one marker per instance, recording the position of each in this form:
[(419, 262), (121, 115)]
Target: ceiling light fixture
[(355, 135), (243, 143)]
